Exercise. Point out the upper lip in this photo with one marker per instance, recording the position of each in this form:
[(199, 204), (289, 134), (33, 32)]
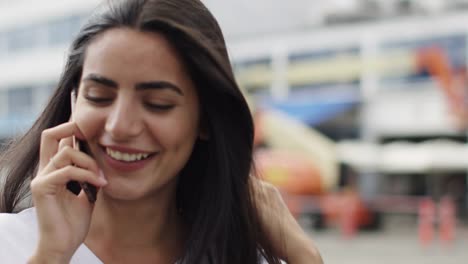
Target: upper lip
[(127, 149)]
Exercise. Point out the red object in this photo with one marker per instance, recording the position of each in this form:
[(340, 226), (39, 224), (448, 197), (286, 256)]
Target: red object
[(447, 218), (349, 216), (426, 221)]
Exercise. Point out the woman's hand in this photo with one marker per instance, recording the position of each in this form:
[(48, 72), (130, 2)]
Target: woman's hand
[(63, 217), (290, 242)]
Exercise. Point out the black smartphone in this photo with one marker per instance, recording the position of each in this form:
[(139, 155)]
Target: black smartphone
[(89, 189)]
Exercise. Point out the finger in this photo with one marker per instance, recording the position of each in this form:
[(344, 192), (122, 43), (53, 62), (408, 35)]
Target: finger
[(58, 179), (84, 198), (65, 142), (50, 139), (69, 156)]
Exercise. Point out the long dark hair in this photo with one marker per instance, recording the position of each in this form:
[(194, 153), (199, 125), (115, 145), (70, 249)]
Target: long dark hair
[(214, 193)]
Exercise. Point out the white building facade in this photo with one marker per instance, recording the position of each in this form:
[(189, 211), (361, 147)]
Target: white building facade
[(34, 38)]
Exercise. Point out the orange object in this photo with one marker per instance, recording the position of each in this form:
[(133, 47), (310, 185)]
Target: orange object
[(289, 171), (447, 217), (452, 82), (426, 221)]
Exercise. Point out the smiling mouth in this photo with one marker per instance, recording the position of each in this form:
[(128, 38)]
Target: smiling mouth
[(127, 157)]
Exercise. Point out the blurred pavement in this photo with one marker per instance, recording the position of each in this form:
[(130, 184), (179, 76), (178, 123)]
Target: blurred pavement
[(389, 247)]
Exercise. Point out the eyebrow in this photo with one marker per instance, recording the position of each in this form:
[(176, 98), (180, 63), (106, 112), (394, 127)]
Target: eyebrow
[(157, 85)]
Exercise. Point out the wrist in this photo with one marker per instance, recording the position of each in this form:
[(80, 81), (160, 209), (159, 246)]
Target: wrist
[(43, 257), (304, 252)]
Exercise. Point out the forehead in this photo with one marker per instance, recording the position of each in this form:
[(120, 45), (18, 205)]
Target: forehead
[(132, 55)]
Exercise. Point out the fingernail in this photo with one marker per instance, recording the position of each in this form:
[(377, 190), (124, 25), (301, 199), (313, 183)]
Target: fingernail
[(101, 176)]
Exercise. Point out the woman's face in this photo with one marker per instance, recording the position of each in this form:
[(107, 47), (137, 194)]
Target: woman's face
[(138, 110)]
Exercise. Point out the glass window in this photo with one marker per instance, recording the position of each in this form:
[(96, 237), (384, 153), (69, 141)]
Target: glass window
[(43, 94), (3, 103), (436, 50), (454, 46), (3, 44), (20, 101), (58, 31), (255, 76), (322, 54), (326, 68), (23, 38), (62, 31)]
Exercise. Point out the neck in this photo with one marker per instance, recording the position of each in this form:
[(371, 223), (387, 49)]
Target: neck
[(153, 223)]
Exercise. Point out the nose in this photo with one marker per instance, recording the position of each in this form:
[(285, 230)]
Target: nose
[(124, 122)]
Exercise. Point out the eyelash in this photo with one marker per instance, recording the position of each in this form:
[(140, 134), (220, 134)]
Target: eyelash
[(152, 107), (97, 100), (157, 107)]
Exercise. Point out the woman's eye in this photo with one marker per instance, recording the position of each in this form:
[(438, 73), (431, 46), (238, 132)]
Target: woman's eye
[(159, 107), (97, 99)]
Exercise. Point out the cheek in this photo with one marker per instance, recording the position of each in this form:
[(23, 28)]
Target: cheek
[(177, 131), (89, 121)]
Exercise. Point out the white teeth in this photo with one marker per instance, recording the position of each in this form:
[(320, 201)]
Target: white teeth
[(126, 156)]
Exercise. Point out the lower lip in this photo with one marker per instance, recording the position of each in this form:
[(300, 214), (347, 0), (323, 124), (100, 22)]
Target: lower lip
[(127, 166)]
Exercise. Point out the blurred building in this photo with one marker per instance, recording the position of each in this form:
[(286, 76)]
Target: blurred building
[(34, 37), (385, 79), (374, 71)]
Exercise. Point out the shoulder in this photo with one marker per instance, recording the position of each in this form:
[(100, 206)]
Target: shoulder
[(18, 224), (18, 235)]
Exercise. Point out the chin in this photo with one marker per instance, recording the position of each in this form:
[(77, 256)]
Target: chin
[(124, 193)]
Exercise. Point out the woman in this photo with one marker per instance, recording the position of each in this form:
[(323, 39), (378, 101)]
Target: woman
[(167, 139)]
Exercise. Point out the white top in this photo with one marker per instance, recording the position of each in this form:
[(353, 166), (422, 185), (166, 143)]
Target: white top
[(19, 236)]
